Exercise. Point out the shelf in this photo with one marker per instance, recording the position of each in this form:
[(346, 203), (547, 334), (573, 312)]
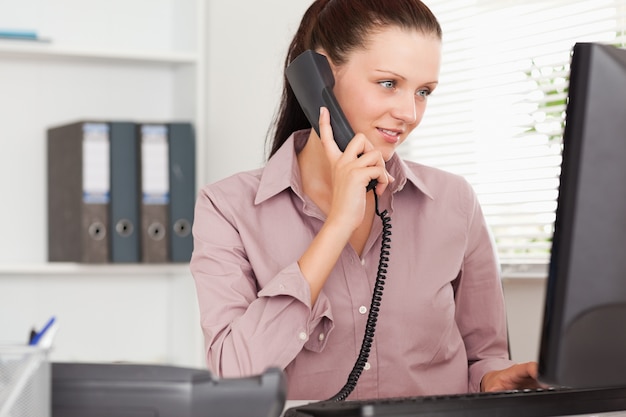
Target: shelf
[(38, 50), (75, 269), (92, 63)]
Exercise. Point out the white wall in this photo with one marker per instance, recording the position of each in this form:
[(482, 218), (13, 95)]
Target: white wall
[(524, 298), (247, 43)]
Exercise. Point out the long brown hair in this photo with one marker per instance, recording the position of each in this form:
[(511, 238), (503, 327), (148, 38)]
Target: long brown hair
[(340, 27)]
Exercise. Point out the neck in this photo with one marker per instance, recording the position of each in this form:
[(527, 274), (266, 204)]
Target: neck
[(315, 171)]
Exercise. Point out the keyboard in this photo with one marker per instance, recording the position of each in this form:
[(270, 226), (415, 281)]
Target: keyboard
[(516, 403)]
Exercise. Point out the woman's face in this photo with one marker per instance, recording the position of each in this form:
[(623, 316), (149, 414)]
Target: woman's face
[(383, 88)]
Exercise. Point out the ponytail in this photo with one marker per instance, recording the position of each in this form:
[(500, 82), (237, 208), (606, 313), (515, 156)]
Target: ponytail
[(290, 117)]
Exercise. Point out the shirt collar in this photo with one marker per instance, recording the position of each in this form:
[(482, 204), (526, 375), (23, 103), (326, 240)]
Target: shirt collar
[(402, 173), (282, 170)]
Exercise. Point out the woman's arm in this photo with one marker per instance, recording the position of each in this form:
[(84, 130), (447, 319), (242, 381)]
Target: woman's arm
[(248, 328), (481, 314)]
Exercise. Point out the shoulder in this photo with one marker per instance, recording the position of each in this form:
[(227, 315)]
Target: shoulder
[(439, 182), (234, 190)]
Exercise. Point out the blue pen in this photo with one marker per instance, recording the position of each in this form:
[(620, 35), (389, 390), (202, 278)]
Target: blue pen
[(35, 340)]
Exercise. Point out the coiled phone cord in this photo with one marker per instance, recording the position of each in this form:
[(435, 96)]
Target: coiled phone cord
[(372, 317)]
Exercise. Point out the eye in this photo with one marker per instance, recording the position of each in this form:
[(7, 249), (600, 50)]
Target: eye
[(387, 83), (423, 93)]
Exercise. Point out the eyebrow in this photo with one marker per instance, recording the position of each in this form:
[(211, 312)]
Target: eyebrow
[(435, 82)]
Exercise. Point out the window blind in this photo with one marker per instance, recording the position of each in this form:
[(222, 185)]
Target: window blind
[(497, 116)]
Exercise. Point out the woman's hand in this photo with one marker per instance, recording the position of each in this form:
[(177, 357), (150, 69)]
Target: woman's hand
[(519, 376), (352, 171)]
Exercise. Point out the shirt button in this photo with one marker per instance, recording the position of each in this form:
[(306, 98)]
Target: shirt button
[(362, 261), (321, 337), (367, 366), (281, 287), (302, 336), (362, 309)]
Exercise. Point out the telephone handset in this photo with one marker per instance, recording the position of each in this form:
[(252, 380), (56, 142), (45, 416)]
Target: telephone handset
[(312, 81)]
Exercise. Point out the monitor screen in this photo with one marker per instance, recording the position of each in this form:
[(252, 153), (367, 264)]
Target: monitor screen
[(583, 340)]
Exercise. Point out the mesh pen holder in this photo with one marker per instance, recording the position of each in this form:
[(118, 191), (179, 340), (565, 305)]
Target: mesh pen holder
[(24, 381)]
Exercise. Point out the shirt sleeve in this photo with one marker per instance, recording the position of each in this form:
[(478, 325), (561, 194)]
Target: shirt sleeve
[(248, 329), (481, 314)]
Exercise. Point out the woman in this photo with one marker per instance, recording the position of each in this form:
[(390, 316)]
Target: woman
[(285, 257)]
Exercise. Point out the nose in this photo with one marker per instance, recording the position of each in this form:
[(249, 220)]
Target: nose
[(405, 109)]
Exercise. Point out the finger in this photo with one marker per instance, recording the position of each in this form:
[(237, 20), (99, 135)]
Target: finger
[(378, 171), (380, 187), (326, 135), (532, 369), (358, 146)]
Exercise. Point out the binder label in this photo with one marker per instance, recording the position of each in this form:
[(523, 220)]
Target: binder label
[(96, 167), (154, 167)]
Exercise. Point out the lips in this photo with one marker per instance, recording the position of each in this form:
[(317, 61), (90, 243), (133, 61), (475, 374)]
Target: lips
[(391, 136)]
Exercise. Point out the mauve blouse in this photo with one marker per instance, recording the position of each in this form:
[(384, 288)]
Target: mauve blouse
[(442, 322)]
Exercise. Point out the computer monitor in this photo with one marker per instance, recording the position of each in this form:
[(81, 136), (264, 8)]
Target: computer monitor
[(583, 340)]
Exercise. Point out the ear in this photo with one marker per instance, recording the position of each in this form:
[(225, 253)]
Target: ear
[(333, 67)]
